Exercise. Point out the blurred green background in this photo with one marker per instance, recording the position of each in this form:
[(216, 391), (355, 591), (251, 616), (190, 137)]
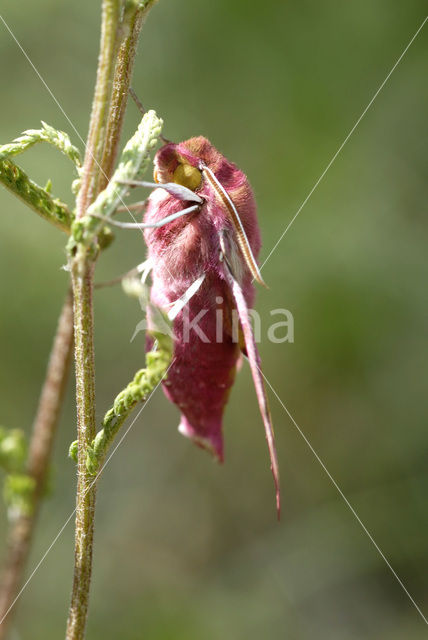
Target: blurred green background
[(186, 549)]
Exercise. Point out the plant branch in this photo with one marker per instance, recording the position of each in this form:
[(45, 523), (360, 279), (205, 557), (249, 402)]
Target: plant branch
[(137, 391), (41, 443), (133, 18), (35, 197), (30, 137), (92, 167), (39, 200)]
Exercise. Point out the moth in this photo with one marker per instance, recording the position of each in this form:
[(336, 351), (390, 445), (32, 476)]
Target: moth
[(200, 226)]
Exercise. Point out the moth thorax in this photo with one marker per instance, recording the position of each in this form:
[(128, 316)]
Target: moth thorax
[(188, 176)]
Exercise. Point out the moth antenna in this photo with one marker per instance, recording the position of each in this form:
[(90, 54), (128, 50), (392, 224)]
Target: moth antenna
[(237, 223), (141, 110), (147, 225)]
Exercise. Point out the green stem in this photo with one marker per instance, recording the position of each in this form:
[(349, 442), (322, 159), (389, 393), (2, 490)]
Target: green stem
[(82, 279), (92, 167), (98, 164), (43, 433), (134, 15), (82, 264), (51, 209)]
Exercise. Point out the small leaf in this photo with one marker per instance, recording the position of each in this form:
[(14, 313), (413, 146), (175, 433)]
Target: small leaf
[(30, 137), (72, 451)]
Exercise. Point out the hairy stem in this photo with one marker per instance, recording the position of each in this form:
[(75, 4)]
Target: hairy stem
[(92, 167), (104, 132), (82, 279), (41, 443), (82, 264), (38, 199), (133, 18)]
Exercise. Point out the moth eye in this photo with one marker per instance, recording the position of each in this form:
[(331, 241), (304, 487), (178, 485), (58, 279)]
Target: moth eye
[(188, 176)]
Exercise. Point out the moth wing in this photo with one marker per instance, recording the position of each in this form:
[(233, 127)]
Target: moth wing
[(251, 351)]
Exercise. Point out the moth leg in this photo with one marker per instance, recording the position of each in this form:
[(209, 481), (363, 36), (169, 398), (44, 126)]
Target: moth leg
[(144, 269), (135, 206), (179, 304), (147, 225), (222, 240), (174, 189)]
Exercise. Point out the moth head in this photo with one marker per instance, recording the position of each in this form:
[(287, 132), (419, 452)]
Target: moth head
[(174, 163)]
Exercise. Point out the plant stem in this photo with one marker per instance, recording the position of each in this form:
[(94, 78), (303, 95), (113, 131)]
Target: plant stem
[(43, 434), (82, 279), (104, 132), (133, 18), (38, 199), (82, 266), (92, 167)]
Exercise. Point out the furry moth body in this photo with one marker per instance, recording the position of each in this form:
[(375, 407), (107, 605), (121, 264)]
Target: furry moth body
[(207, 260)]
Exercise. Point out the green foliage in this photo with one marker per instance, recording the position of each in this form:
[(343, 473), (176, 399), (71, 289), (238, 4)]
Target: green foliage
[(30, 137), (37, 198), (138, 390), (73, 450), (17, 181), (133, 163)]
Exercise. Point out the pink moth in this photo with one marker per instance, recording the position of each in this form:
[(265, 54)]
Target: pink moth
[(203, 240)]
